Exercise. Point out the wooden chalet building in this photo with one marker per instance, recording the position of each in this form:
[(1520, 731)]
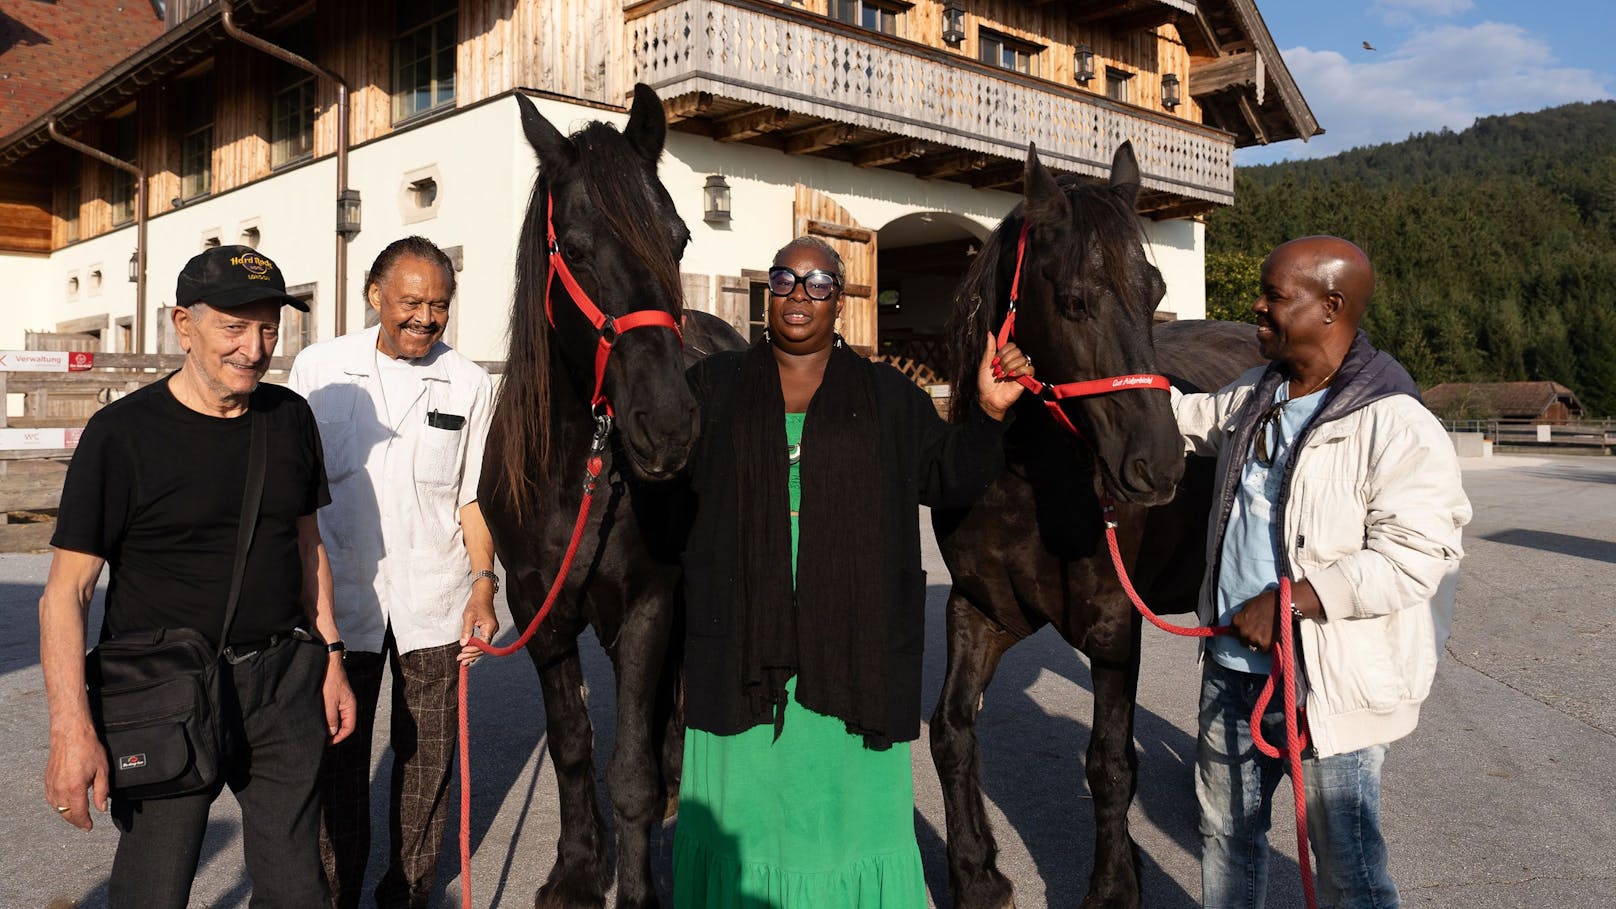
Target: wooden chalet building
[(1529, 402), (896, 129)]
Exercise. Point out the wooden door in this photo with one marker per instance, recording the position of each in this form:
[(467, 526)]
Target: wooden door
[(817, 214)]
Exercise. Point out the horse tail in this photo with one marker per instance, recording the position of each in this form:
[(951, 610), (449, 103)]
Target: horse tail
[(522, 411), (976, 310)]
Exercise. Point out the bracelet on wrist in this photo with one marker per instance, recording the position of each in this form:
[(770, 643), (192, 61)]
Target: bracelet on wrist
[(486, 573)]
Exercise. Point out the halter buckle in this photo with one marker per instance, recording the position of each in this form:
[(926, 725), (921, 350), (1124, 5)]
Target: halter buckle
[(603, 429), (608, 330)]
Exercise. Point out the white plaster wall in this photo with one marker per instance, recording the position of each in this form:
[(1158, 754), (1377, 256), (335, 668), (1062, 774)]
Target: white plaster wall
[(1179, 250), (485, 171), (31, 301)]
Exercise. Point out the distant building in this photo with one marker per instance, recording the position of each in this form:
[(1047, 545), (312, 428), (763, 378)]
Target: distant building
[(1535, 402), (894, 129)]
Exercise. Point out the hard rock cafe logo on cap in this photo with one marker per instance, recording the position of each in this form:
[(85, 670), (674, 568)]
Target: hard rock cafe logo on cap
[(257, 267)]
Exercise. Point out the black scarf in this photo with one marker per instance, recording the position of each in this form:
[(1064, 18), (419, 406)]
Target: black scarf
[(832, 633)]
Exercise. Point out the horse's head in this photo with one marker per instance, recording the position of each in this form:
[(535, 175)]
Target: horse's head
[(621, 239), (1087, 298)]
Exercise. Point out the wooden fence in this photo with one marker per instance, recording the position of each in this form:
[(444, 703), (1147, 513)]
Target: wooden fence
[(56, 405), (1584, 435)]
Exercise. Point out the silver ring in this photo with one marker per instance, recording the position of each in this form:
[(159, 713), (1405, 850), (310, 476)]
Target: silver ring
[(62, 809)]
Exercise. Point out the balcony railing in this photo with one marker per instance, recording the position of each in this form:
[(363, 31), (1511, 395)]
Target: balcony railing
[(774, 55)]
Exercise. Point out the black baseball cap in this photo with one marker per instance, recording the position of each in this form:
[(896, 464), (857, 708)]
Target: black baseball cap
[(225, 277)]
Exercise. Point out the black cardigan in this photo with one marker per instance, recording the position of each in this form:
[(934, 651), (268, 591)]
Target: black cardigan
[(925, 461)]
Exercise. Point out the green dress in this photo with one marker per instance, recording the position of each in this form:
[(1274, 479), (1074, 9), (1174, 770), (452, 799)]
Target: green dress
[(813, 820)]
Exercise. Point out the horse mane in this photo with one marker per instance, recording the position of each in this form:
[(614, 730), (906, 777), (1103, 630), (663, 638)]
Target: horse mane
[(983, 297), (613, 176)]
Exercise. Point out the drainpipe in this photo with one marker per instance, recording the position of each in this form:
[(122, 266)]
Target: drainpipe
[(140, 222), (227, 18)]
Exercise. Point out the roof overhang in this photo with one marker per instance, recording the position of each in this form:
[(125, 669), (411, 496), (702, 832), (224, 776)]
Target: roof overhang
[(176, 49), (1240, 80)]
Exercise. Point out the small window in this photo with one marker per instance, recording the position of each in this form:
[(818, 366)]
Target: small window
[(424, 192), (95, 282), (757, 321), (196, 138), (423, 56), (123, 182), (297, 327), (1006, 52), (251, 237), (874, 15), (72, 287), (1117, 84), (210, 239)]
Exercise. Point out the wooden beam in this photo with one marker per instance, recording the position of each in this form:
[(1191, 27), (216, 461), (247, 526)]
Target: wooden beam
[(684, 107), (26, 537), (948, 165), (998, 177), (750, 123), (1182, 210), (890, 151), (1243, 101), (1234, 71), (819, 138), (839, 231)]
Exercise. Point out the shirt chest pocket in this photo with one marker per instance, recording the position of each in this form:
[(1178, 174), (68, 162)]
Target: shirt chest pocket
[(333, 408), (437, 459)]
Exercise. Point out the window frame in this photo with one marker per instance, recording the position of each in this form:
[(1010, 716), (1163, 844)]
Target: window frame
[(1123, 80), (889, 9), (1011, 44), (121, 187), (447, 19), (198, 106), (293, 100)]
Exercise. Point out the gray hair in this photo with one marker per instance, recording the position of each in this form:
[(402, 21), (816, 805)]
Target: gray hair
[(819, 245)]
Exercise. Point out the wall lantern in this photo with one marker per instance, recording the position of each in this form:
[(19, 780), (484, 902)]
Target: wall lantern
[(134, 267), (715, 200), (953, 23), (1170, 91), (1083, 64), (348, 212)]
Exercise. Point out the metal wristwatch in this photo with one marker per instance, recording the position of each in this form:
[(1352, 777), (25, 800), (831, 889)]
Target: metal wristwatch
[(486, 573)]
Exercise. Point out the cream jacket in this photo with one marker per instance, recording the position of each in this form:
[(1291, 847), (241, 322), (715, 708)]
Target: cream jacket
[(1371, 512)]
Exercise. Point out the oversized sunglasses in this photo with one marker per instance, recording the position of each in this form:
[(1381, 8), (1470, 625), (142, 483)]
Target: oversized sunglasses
[(817, 284)]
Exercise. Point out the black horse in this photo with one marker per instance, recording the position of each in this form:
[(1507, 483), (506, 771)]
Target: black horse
[(618, 232), (1033, 550)]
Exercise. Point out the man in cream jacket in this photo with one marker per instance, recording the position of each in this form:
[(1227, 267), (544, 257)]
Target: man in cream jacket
[(1331, 472)]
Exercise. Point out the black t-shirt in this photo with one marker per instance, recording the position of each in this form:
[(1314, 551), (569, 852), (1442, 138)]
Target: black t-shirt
[(155, 489)]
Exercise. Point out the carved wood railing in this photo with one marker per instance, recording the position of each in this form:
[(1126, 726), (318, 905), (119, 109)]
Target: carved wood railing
[(770, 54)]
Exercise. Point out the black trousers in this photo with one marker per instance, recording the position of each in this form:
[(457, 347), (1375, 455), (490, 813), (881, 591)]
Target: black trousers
[(274, 772)]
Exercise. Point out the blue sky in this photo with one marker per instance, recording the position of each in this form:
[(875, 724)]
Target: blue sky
[(1436, 63)]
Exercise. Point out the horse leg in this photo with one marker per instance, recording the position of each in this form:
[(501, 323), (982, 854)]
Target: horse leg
[(975, 645), (633, 775), (1112, 768), (578, 877)]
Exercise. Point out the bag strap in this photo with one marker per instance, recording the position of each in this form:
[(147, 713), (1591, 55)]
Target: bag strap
[(251, 496)]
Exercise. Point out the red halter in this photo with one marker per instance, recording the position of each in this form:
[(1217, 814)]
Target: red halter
[(610, 327), (1053, 394)]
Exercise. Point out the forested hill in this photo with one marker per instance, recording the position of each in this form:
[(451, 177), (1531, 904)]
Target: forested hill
[(1495, 247)]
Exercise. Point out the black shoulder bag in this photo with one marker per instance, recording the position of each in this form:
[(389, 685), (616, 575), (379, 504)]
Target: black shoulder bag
[(155, 695)]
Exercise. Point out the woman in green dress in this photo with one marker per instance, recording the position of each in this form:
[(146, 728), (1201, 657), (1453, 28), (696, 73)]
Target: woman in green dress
[(806, 604)]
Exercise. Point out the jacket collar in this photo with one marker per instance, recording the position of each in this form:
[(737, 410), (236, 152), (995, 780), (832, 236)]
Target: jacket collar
[(360, 359)]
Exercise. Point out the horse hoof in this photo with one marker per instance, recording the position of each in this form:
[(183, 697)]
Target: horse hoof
[(555, 895)]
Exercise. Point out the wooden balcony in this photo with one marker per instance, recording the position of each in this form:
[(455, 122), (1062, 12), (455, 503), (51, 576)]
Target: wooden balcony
[(747, 70)]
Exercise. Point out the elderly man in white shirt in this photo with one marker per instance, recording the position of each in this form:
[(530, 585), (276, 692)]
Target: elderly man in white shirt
[(402, 420)]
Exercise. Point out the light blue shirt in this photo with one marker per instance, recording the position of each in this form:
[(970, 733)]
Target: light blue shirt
[(1251, 540)]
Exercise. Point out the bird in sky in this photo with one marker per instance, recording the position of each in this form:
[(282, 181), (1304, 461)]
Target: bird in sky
[(1368, 46)]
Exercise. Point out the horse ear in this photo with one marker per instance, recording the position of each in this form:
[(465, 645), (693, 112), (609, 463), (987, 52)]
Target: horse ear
[(1125, 173), (647, 128), (1046, 201), (554, 149)]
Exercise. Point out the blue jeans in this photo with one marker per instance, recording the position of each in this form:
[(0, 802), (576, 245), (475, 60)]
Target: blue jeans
[(1235, 784)]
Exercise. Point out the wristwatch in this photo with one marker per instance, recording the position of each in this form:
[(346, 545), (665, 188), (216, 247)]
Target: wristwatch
[(486, 573), (337, 647)]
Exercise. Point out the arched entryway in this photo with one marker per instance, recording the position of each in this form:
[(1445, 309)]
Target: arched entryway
[(922, 258)]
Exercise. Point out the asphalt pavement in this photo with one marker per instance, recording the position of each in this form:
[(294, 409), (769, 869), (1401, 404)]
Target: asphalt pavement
[(1502, 798)]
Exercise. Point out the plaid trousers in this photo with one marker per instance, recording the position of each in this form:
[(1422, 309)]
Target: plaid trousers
[(423, 736)]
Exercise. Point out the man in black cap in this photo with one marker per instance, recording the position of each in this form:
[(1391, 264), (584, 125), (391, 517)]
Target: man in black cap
[(155, 492)]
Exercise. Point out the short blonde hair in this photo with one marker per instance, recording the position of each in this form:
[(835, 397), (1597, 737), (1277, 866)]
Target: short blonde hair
[(819, 245)]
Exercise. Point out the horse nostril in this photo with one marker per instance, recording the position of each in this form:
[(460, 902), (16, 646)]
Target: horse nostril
[(1138, 475)]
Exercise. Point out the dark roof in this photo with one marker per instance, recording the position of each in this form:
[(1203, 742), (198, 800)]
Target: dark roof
[(1509, 400), (49, 49)]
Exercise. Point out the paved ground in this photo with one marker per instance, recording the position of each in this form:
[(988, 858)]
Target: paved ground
[(1501, 799)]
